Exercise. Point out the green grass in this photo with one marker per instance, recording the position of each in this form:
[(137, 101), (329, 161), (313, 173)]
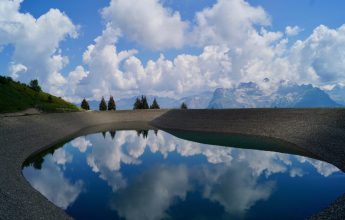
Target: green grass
[(16, 96)]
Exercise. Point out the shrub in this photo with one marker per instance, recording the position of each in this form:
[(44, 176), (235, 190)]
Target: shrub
[(50, 99), (35, 86)]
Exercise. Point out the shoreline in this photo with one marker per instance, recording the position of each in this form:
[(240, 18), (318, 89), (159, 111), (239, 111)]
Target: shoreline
[(320, 132)]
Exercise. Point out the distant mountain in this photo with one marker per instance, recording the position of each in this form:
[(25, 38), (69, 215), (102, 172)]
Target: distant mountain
[(337, 94), (289, 95), (199, 101), (302, 96), (246, 95)]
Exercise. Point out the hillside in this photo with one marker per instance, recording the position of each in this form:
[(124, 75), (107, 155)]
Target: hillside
[(16, 96)]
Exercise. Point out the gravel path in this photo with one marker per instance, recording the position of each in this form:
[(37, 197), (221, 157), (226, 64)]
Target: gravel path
[(320, 132)]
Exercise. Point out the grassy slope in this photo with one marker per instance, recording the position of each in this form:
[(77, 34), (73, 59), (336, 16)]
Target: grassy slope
[(15, 96)]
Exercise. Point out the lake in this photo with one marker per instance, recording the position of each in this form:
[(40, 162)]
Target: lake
[(156, 175)]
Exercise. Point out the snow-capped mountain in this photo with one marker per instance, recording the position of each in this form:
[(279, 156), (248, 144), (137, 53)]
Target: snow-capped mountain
[(337, 94), (199, 101), (288, 95)]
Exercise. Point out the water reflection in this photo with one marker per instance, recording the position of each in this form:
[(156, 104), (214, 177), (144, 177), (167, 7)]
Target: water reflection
[(154, 175)]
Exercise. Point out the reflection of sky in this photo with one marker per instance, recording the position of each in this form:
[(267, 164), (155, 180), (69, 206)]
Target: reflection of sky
[(147, 178)]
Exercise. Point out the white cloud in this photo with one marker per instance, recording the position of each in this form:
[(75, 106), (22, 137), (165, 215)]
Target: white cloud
[(233, 51), (81, 143), (234, 36), (36, 43), (153, 192), (234, 187), (292, 31), (228, 22), (61, 156), (319, 58), (147, 22), (16, 69), (51, 182)]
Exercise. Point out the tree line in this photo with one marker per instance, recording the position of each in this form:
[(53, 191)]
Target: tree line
[(140, 103)]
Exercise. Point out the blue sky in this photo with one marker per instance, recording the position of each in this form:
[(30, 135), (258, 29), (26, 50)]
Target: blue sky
[(182, 47)]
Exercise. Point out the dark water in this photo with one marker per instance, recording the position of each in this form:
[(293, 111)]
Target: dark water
[(120, 175)]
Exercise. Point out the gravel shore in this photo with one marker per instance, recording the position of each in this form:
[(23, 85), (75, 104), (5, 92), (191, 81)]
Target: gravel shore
[(319, 133)]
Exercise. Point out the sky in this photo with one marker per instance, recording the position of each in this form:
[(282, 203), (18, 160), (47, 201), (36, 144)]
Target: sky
[(92, 48)]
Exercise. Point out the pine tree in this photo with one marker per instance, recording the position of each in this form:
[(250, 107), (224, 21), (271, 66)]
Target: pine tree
[(145, 105), (112, 134), (137, 104), (184, 106), (154, 105), (85, 105), (102, 105), (111, 104)]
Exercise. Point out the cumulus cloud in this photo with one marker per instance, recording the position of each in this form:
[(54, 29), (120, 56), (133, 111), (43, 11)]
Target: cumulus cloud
[(319, 58), (36, 43), (61, 157), (234, 37), (292, 31), (51, 182), (153, 192), (16, 69), (233, 51), (147, 22), (81, 143), (228, 22), (234, 187)]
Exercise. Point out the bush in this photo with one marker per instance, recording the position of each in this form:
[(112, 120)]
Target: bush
[(50, 99), (35, 86)]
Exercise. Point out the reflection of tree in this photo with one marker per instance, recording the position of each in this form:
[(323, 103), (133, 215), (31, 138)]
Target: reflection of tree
[(37, 160), (37, 164), (144, 133), (112, 134), (104, 133), (156, 131)]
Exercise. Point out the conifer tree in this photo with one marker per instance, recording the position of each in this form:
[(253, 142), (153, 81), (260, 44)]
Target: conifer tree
[(85, 105), (111, 104), (154, 105), (102, 105), (145, 105), (137, 104), (184, 106)]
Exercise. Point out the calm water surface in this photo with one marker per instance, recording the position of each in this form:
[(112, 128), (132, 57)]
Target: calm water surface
[(154, 175)]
